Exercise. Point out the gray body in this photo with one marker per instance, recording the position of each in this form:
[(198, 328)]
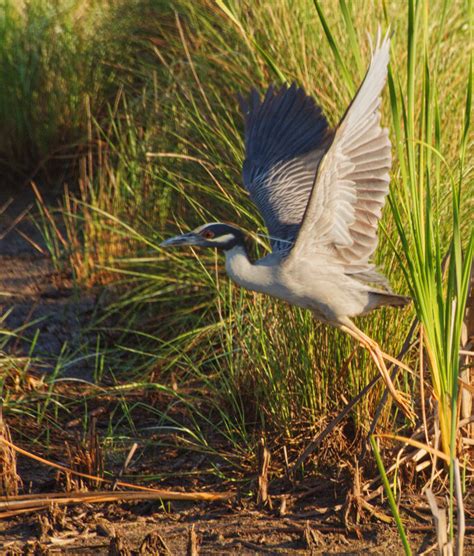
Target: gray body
[(316, 284)]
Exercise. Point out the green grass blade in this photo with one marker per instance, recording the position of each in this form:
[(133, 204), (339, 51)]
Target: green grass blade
[(391, 498), (334, 48), (354, 43)]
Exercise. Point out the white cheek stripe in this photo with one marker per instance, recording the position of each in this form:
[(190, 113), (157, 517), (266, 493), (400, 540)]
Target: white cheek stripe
[(223, 239)]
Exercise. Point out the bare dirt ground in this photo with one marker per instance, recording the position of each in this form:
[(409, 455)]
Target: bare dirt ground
[(215, 531), (312, 522), (40, 301)]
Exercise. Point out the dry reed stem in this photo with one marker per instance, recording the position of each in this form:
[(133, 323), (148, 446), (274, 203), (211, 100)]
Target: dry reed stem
[(16, 221), (48, 214), (263, 467), (467, 360), (441, 524), (461, 519), (10, 481), (415, 444), (192, 542)]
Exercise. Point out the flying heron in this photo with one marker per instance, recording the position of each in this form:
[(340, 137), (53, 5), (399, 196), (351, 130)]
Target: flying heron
[(321, 193)]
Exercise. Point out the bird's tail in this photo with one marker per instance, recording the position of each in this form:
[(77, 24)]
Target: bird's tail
[(391, 299)]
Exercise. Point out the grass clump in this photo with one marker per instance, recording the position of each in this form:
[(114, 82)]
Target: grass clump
[(47, 73), (61, 63)]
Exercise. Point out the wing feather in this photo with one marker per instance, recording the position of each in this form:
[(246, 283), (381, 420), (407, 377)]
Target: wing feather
[(352, 180), (286, 135)]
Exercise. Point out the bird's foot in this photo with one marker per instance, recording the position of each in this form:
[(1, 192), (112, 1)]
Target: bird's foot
[(404, 402), (402, 399)]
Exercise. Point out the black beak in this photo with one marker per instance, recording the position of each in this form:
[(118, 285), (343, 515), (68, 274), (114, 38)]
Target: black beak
[(185, 239)]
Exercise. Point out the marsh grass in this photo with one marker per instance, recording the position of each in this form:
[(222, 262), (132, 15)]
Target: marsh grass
[(187, 358), (60, 60), (45, 69)]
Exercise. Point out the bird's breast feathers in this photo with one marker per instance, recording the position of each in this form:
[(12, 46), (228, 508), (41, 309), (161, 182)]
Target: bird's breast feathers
[(314, 285)]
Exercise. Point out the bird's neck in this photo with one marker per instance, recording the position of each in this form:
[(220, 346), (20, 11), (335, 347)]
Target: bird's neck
[(243, 272)]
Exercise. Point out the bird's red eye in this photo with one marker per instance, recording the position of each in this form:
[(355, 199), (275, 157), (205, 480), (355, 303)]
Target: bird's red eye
[(208, 234)]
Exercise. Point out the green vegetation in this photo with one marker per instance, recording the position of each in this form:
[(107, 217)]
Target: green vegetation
[(61, 61), (391, 498), (146, 112)]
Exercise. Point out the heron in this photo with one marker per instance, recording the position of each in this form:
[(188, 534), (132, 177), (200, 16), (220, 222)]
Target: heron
[(320, 192)]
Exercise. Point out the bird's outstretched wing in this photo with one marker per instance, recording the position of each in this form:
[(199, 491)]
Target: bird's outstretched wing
[(286, 135), (352, 179)]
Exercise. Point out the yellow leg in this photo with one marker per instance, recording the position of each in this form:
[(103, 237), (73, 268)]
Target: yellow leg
[(375, 346), (401, 399)]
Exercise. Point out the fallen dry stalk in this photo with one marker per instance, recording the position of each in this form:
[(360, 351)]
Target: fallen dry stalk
[(20, 504), (31, 502), (415, 444)]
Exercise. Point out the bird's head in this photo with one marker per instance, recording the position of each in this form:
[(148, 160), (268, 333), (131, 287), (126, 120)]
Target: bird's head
[(217, 235)]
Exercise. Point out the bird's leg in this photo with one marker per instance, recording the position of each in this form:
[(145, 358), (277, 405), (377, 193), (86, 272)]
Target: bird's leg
[(401, 399), (376, 347)]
